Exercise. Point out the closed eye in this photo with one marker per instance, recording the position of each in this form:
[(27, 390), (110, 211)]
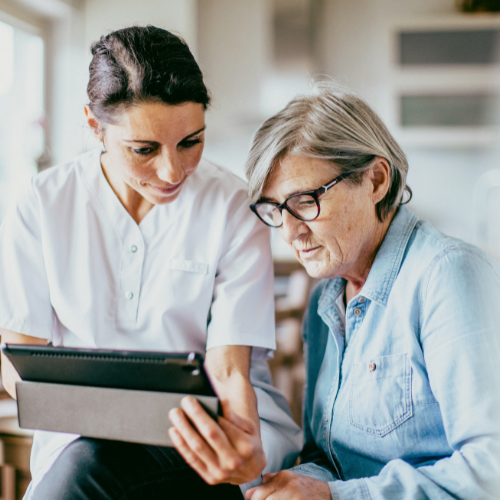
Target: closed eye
[(143, 151), (189, 143)]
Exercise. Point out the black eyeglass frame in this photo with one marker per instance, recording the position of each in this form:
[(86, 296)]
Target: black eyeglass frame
[(315, 194)]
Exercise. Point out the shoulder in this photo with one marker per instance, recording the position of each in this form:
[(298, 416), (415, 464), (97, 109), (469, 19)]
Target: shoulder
[(447, 267), (64, 177), (216, 181), (441, 252), (215, 190)]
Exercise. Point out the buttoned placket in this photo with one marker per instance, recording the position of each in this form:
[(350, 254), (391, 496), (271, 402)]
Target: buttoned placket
[(332, 319), (353, 320), (133, 252)]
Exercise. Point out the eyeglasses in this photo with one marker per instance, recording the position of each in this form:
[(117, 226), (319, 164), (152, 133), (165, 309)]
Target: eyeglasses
[(303, 206)]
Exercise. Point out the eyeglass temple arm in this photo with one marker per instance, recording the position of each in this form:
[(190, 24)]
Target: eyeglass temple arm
[(335, 181)]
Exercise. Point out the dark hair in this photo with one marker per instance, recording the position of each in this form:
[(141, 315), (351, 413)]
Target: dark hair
[(140, 64)]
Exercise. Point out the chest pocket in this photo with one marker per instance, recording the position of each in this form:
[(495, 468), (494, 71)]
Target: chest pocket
[(380, 394), (189, 266)]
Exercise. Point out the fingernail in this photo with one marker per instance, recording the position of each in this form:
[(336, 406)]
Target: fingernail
[(174, 415), (190, 401)]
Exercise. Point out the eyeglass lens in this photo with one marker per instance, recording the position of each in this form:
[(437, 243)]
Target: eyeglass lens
[(303, 206)]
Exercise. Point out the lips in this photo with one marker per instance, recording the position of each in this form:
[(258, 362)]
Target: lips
[(308, 252), (167, 190)]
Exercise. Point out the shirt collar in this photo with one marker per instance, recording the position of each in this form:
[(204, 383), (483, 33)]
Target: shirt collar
[(385, 267)]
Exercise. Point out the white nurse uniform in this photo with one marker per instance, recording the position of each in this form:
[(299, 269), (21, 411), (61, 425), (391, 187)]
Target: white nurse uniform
[(196, 273)]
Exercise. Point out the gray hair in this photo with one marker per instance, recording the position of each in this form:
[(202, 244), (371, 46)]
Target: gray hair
[(329, 123)]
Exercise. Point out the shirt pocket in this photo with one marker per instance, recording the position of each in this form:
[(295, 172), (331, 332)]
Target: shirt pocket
[(189, 266), (380, 394)]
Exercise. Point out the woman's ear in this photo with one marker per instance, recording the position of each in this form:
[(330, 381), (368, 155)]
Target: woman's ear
[(92, 122), (380, 178)]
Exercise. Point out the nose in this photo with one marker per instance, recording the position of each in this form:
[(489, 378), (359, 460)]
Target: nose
[(292, 227), (170, 168)]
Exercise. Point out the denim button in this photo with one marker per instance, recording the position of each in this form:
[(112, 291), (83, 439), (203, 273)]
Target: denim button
[(372, 367), (357, 311), (361, 300)]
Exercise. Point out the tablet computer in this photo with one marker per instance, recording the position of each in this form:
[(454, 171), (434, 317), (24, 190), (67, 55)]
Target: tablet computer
[(140, 370)]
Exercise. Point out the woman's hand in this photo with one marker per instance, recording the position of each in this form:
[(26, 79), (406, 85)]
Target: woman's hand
[(229, 451), (287, 485)]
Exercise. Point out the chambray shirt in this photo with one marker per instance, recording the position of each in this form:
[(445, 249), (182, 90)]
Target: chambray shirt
[(404, 401)]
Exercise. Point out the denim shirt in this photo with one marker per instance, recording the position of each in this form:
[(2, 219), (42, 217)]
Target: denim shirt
[(404, 402)]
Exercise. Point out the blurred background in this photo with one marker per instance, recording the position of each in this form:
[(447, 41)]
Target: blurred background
[(430, 68)]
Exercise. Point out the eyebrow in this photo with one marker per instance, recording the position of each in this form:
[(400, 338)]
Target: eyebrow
[(154, 142)]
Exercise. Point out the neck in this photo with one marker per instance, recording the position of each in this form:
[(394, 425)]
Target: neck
[(356, 278), (134, 203)]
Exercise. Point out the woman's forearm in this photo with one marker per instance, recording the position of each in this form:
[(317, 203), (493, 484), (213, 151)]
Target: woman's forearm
[(9, 373), (229, 371)]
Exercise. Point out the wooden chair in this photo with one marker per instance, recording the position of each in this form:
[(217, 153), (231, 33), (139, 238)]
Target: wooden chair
[(291, 299), (15, 450)]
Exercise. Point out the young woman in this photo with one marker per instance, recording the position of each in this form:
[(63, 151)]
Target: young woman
[(144, 245)]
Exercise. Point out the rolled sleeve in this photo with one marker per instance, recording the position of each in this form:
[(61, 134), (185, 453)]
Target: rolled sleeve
[(24, 292)]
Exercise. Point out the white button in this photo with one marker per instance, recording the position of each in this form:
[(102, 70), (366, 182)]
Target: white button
[(129, 295), (357, 311), (133, 249), (361, 300)]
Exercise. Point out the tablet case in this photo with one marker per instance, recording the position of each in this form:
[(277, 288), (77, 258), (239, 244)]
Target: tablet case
[(142, 370), (97, 412), (106, 394)]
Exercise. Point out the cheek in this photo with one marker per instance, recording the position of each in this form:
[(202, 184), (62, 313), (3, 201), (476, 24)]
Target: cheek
[(192, 159), (135, 169)]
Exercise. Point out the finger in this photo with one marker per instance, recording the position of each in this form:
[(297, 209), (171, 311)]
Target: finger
[(187, 454), (208, 428), (196, 444)]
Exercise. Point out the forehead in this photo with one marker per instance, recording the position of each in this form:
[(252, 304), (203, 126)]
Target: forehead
[(294, 174), (154, 120)]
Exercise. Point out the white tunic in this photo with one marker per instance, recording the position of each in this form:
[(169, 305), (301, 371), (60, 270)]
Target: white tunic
[(196, 273)]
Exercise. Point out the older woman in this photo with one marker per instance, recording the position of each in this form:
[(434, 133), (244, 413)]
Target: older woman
[(402, 399), (147, 246)]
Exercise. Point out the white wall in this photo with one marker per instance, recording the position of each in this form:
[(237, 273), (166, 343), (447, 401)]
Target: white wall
[(103, 16), (234, 55)]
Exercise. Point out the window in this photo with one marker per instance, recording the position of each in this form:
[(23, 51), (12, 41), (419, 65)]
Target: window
[(21, 108)]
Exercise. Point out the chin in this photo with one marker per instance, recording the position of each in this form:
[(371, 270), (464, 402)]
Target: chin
[(313, 269), (318, 271)]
